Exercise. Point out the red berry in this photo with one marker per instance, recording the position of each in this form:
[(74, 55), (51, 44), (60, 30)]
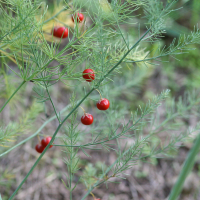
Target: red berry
[(79, 17), (103, 104), (89, 75), (87, 119), (60, 32), (39, 148), (45, 142)]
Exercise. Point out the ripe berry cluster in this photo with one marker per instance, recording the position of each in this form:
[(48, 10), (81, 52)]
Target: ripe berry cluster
[(88, 75), (41, 146), (102, 104), (62, 32)]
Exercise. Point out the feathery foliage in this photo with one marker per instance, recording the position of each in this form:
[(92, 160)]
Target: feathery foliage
[(100, 43)]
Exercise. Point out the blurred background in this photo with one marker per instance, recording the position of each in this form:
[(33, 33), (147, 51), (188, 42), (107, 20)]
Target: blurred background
[(150, 180)]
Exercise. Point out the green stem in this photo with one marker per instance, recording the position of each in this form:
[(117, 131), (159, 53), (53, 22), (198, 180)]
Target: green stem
[(65, 8), (187, 167), (127, 53), (60, 125), (17, 26), (174, 116), (12, 95), (103, 175), (70, 171), (71, 157), (52, 103), (100, 181)]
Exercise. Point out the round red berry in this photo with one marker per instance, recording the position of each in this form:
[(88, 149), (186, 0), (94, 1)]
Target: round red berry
[(60, 32), (45, 141), (87, 119), (78, 16), (88, 75), (39, 148), (103, 104)]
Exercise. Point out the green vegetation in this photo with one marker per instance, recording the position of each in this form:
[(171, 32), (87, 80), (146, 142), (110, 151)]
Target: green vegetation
[(123, 43)]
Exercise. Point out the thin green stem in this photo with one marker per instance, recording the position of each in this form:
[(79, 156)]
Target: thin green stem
[(121, 32), (17, 26), (70, 171), (174, 116), (103, 175), (45, 110), (65, 8), (60, 125), (71, 159), (12, 95), (40, 71), (89, 144), (187, 167), (120, 61), (100, 181), (52, 103), (104, 141), (47, 88)]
